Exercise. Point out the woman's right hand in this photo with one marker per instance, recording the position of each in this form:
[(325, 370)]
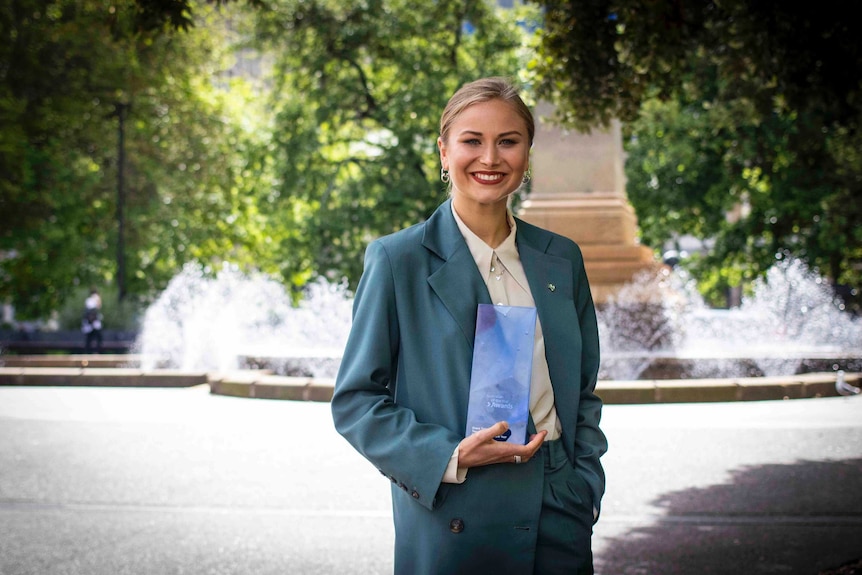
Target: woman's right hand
[(481, 448)]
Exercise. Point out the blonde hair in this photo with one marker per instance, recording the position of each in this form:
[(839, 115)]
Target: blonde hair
[(483, 90)]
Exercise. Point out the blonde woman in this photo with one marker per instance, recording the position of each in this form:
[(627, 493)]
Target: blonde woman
[(472, 504)]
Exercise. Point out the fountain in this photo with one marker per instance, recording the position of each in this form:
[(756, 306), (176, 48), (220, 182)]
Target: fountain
[(792, 323), (652, 327), (656, 327), (227, 321), (242, 334)]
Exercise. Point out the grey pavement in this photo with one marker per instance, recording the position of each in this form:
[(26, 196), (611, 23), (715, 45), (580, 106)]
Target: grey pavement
[(102, 481)]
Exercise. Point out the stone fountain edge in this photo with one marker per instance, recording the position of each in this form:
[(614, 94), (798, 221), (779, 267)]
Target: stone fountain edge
[(120, 371)]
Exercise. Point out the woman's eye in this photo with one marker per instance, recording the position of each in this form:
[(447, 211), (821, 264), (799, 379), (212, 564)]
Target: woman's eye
[(472, 142), (507, 142)]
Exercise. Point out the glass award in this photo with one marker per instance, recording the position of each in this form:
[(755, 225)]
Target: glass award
[(502, 370)]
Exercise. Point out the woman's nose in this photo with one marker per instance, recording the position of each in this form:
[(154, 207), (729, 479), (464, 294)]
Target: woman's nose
[(490, 156)]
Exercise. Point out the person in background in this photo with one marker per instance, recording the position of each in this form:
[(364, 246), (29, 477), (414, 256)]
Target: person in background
[(471, 504), (91, 324)]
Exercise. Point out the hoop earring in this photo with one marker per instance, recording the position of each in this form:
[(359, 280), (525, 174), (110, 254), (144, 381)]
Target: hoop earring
[(444, 175), (527, 176)]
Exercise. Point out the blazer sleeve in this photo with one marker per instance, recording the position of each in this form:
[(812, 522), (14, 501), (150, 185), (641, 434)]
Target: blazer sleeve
[(590, 441), (412, 454)]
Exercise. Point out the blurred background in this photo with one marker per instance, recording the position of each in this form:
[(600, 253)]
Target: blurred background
[(277, 137)]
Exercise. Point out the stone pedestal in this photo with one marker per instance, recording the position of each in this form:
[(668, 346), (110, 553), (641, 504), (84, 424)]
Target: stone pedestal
[(579, 191)]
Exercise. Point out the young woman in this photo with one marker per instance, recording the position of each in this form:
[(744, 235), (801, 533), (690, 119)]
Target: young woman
[(472, 504)]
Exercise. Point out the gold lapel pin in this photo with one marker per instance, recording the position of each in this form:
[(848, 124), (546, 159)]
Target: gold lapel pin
[(552, 287)]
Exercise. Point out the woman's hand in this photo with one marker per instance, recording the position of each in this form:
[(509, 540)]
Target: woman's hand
[(481, 448)]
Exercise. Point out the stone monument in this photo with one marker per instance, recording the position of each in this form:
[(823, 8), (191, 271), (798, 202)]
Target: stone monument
[(579, 191)]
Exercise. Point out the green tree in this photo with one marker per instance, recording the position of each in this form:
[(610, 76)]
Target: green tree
[(49, 151), (737, 103), (294, 184), (358, 87), (66, 68)]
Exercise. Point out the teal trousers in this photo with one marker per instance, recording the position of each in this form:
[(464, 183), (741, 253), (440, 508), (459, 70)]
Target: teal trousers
[(566, 522)]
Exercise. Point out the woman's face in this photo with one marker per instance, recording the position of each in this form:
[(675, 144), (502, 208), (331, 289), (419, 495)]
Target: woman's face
[(487, 152)]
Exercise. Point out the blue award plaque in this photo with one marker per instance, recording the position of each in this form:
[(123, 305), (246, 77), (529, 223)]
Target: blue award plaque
[(502, 369)]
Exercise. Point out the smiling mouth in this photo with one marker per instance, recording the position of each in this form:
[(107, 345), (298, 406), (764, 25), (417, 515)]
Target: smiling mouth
[(488, 177)]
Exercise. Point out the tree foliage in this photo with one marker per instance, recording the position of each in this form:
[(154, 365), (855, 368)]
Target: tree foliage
[(738, 106), (66, 68), (355, 93), (358, 87), (289, 168)]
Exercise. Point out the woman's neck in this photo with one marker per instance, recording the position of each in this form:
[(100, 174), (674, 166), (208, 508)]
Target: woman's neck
[(489, 222)]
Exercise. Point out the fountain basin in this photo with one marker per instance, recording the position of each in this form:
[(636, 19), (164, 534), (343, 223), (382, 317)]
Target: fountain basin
[(264, 384), (722, 365), (99, 377)]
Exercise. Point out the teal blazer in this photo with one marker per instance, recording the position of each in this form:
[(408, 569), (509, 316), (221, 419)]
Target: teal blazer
[(401, 393)]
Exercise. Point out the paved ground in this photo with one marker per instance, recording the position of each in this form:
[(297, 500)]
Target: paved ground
[(101, 481)]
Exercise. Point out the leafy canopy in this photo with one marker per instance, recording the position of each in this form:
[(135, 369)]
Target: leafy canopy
[(742, 117), (66, 68), (280, 139), (357, 90)]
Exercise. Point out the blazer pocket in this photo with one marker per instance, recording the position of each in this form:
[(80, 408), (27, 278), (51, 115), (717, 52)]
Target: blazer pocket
[(440, 496)]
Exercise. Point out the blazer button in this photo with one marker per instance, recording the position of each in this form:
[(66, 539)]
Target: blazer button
[(415, 494), (456, 525)]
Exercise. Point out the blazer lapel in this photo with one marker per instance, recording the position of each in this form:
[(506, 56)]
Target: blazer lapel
[(456, 281), (550, 279)]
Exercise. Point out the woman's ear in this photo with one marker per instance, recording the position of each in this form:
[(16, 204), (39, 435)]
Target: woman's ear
[(444, 161)]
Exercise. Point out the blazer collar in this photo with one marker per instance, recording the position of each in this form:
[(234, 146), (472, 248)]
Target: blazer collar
[(443, 237), (441, 234), (535, 237), (460, 286)]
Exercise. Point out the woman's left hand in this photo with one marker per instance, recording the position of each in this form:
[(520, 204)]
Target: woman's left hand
[(481, 448)]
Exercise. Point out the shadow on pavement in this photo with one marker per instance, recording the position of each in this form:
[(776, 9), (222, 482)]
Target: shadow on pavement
[(803, 518)]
